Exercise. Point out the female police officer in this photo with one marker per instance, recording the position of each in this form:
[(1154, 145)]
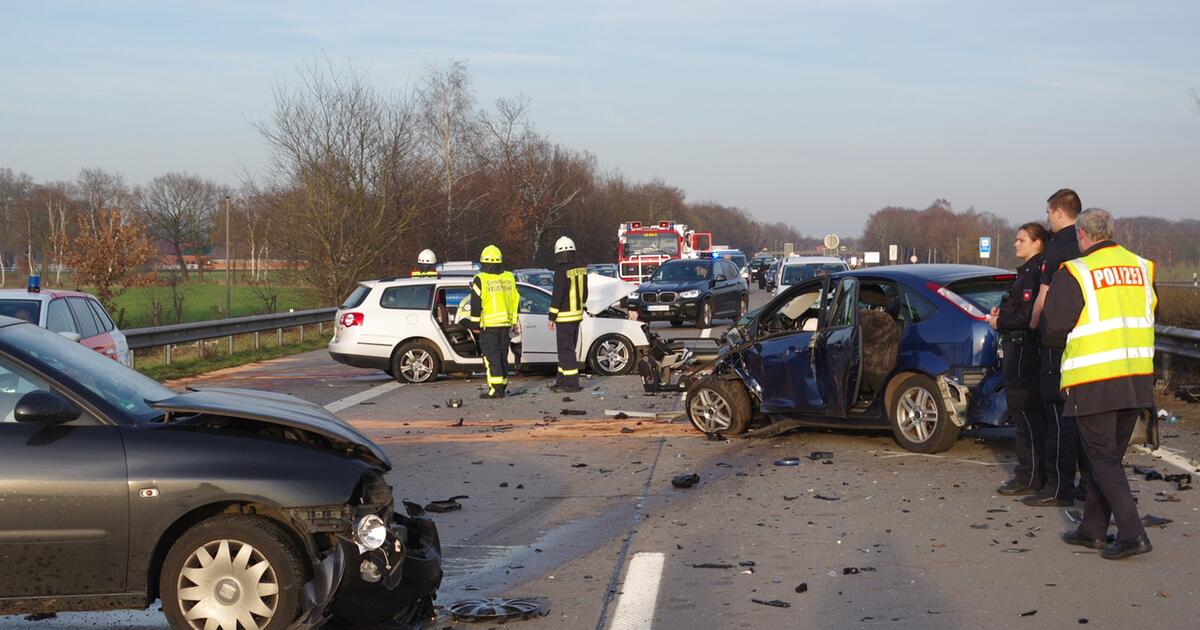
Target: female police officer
[(1021, 362)]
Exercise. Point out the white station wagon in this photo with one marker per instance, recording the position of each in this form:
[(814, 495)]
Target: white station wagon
[(406, 327)]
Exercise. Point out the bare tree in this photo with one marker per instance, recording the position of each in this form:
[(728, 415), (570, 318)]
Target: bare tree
[(345, 171), (179, 211), (15, 190)]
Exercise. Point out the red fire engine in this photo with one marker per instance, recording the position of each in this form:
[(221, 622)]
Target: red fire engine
[(642, 248)]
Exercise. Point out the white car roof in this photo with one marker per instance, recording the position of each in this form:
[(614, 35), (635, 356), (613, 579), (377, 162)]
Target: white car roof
[(809, 260), (603, 291)]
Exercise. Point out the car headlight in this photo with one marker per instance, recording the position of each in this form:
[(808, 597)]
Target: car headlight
[(633, 296), (370, 533), (694, 293)]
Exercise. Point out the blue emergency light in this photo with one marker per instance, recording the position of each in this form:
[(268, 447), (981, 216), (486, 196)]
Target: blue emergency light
[(34, 285)]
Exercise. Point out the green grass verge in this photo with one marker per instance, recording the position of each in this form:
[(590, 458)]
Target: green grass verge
[(194, 367), (203, 302)]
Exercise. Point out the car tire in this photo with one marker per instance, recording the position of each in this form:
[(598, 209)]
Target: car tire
[(717, 405), (918, 415), (676, 323), (607, 353), (743, 308), (416, 361), (704, 314), (185, 570)]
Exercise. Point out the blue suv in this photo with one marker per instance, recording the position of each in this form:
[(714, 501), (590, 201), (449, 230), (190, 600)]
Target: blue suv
[(902, 347)]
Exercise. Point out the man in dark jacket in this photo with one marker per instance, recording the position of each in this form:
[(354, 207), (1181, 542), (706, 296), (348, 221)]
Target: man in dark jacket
[(1100, 313), (566, 313)]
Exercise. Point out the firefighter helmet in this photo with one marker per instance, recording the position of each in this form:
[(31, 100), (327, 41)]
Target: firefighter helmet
[(427, 257), (491, 254), (564, 244)]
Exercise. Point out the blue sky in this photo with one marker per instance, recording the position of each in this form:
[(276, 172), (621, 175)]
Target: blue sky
[(812, 112)]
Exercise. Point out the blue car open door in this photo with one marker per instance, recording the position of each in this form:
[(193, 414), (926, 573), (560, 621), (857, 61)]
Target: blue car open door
[(782, 361), (837, 350)]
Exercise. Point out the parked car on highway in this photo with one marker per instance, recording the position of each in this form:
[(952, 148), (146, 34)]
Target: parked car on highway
[(758, 267), (608, 270), (795, 269), (903, 347), (75, 315), (235, 508), (407, 327), (738, 258), (692, 289), (543, 278)]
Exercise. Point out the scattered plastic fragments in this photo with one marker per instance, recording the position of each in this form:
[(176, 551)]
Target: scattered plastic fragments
[(1029, 613), (778, 603), (1149, 474), (712, 565), (803, 588), (857, 570), (685, 481), (621, 415), (459, 423), (446, 505), (579, 465), (499, 609), (454, 403), (1167, 417), (824, 497), (819, 455), (572, 412), (1150, 520), (1083, 620), (1182, 481), (788, 461), (626, 430)]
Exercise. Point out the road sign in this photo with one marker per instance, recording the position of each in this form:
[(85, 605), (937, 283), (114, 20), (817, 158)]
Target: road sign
[(893, 253), (871, 258), (985, 247), (913, 259), (788, 249), (832, 241)]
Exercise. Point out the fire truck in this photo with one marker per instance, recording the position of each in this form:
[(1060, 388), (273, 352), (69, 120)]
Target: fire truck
[(642, 248)]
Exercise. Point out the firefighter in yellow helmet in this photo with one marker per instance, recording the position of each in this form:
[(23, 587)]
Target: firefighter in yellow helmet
[(426, 265), (566, 312), (493, 311)]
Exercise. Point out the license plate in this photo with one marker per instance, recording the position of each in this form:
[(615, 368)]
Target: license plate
[(658, 307)]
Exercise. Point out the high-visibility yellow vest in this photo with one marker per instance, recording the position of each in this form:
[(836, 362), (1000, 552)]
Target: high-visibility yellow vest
[(498, 294), (573, 306), (1114, 337)]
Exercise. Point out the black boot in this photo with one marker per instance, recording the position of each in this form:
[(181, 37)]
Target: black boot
[(1015, 487)]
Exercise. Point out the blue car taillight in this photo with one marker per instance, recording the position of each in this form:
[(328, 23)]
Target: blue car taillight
[(957, 300)]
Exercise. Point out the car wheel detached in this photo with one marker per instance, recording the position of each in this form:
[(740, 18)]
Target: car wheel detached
[(704, 314), (721, 406), (416, 362), (918, 416), (232, 572), (611, 355)]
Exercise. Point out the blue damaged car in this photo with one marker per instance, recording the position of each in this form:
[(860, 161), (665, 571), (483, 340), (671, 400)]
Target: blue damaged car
[(903, 347)]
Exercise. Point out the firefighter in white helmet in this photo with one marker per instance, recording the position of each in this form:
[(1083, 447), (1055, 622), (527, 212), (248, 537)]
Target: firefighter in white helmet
[(426, 265), (566, 312)]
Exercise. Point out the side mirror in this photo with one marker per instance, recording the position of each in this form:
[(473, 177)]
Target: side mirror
[(71, 336), (45, 407), (721, 277)]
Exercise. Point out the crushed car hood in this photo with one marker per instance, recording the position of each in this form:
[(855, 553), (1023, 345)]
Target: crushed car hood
[(273, 408), (604, 292)]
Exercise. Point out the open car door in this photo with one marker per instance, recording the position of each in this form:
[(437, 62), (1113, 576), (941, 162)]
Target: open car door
[(782, 359), (837, 350)]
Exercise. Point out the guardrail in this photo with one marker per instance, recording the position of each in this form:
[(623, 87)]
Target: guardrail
[(175, 334), (1171, 342)]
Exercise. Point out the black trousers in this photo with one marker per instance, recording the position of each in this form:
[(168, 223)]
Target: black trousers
[(1105, 438), (1021, 365), (566, 335), (1061, 445), (493, 345)]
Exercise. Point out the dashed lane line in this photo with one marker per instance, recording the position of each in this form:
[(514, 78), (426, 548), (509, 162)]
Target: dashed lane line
[(350, 401), (1171, 457), (639, 592)]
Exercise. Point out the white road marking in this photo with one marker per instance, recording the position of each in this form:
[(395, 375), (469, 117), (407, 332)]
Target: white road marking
[(1170, 456), (705, 333), (639, 592), (350, 401), (894, 454), (631, 414)]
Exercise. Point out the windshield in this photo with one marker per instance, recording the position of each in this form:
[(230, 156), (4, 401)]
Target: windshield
[(663, 243), (116, 384), (985, 293), (27, 310), (540, 278), (739, 260), (683, 271), (799, 273)]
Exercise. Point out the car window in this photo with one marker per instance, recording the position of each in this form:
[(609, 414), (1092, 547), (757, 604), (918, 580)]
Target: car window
[(806, 271), (683, 271), (58, 317), (28, 310), (409, 296), (106, 324), (533, 301), (918, 308), (985, 293), (83, 317), (452, 296), (732, 270), (845, 301), (356, 297), (16, 381)]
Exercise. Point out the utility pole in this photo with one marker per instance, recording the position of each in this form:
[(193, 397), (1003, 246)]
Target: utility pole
[(228, 264)]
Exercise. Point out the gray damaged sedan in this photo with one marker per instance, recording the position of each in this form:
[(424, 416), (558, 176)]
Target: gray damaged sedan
[(238, 509)]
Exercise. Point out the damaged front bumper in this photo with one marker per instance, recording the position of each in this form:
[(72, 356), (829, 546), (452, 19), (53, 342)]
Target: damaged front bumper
[(393, 583), (956, 398)]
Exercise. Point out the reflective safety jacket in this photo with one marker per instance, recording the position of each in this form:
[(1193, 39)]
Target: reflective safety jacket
[(494, 300), (1114, 337), (570, 293)]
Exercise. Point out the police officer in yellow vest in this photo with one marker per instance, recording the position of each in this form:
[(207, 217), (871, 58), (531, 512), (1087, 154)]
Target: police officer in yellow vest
[(1101, 312), (494, 303), (566, 313), (426, 265)]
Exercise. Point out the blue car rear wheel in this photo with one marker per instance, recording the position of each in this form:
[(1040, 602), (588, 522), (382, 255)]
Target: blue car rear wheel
[(918, 415)]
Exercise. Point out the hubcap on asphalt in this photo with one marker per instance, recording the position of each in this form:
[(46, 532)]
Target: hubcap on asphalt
[(917, 414), (710, 411), (227, 585), (612, 355), (416, 365)]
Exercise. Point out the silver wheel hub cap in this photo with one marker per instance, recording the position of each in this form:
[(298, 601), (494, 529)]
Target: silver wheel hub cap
[(710, 411), (612, 356), (227, 585), (917, 414), (416, 365)]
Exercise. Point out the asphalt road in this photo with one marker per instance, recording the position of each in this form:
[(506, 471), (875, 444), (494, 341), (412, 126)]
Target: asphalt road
[(581, 510)]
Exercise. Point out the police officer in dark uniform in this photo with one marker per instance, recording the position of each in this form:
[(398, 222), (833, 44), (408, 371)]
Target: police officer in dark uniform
[(1022, 362), (566, 313), (1063, 449)]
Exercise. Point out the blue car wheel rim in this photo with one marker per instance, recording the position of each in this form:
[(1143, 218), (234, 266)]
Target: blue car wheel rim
[(917, 414), (711, 411)]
